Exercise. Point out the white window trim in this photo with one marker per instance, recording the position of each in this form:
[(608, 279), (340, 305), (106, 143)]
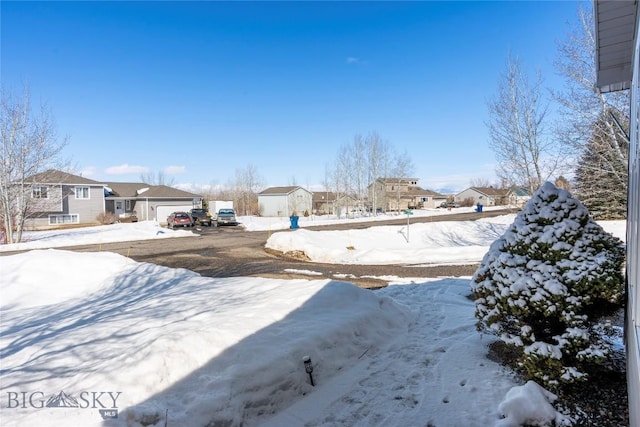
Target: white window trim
[(79, 190), (39, 187), (74, 219), (127, 205)]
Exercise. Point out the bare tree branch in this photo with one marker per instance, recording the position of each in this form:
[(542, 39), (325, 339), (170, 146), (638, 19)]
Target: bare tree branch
[(517, 116), (29, 147)]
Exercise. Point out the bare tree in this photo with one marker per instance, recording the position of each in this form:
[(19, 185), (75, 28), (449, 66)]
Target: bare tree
[(359, 169), (29, 147), (594, 126), (516, 129), (480, 182), (379, 167), (402, 167), (158, 178), (343, 175), (329, 207), (246, 186), (563, 183), (361, 164)]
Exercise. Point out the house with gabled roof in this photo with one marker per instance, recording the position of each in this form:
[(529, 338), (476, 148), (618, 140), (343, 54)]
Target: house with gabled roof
[(285, 201), (486, 196), (60, 198), (324, 202), (394, 194), (330, 203), (147, 202), (519, 196)]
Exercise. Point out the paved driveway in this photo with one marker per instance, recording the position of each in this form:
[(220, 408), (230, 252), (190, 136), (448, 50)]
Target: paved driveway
[(232, 252)]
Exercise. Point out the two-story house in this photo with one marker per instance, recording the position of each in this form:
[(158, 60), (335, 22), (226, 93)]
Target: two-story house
[(395, 194)]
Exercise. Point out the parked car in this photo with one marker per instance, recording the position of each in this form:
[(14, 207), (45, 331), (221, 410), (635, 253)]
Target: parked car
[(179, 219), (226, 217), (449, 205), (201, 217)]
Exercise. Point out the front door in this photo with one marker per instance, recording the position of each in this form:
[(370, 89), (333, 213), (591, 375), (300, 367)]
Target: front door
[(119, 208)]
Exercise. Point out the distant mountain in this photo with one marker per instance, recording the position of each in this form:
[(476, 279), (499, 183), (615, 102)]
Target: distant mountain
[(62, 400), (446, 191)]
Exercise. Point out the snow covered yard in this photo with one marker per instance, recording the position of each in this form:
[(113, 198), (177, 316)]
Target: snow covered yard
[(98, 335)]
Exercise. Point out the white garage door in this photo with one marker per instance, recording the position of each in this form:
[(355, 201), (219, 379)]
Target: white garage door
[(162, 212)]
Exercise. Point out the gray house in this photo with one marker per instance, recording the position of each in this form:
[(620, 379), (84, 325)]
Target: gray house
[(60, 198), (486, 196), (284, 201), (147, 202), (395, 194)]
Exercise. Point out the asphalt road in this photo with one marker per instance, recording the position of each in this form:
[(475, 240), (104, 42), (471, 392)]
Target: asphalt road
[(232, 252)]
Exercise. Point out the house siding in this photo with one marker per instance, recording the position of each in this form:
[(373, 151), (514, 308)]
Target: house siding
[(477, 197), (87, 209), (633, 242), (62, 201), (490, 199), (284, 204), (273, 205), (299, 202)]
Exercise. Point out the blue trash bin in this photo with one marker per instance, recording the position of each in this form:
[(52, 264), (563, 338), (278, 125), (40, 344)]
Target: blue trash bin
[(478, 207), (294, 222)]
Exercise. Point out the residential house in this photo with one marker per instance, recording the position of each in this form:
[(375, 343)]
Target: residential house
[(324, 203), (60, 198), (147, 202), (617, 60), (330, 203), (395, 194), (486, 196), (347, 204), (519, 197), (285, 201)]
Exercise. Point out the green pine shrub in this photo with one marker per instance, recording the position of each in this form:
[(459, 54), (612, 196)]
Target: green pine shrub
[(543, 286)]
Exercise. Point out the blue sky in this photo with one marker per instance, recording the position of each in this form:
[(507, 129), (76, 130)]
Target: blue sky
[(200, 89)]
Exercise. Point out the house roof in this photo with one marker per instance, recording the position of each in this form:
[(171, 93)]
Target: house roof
[(323, 196), (615, 23), (399, 180), (418, 191), (521, 192), (52, 176), (273, 191), (489, 191), (132, 190), (117, 189), (415, 191)]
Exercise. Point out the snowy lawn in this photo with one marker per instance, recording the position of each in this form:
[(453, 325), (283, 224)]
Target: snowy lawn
[(98, 335)]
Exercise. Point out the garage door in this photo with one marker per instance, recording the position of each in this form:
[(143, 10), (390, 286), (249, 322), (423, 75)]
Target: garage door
[(162, 212)]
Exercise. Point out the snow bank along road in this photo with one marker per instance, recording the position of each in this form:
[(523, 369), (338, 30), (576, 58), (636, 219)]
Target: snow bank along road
[(227, 252)]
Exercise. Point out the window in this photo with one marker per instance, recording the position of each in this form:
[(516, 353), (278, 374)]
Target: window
[(64, 219), (127, 205), (82, 192), (39, 193)]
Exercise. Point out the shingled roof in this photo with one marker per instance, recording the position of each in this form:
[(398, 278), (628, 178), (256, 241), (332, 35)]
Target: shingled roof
[(137, 189), (279, 190), (52, 176)]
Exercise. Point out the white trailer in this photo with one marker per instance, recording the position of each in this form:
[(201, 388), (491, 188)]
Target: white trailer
[(216, 205)]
